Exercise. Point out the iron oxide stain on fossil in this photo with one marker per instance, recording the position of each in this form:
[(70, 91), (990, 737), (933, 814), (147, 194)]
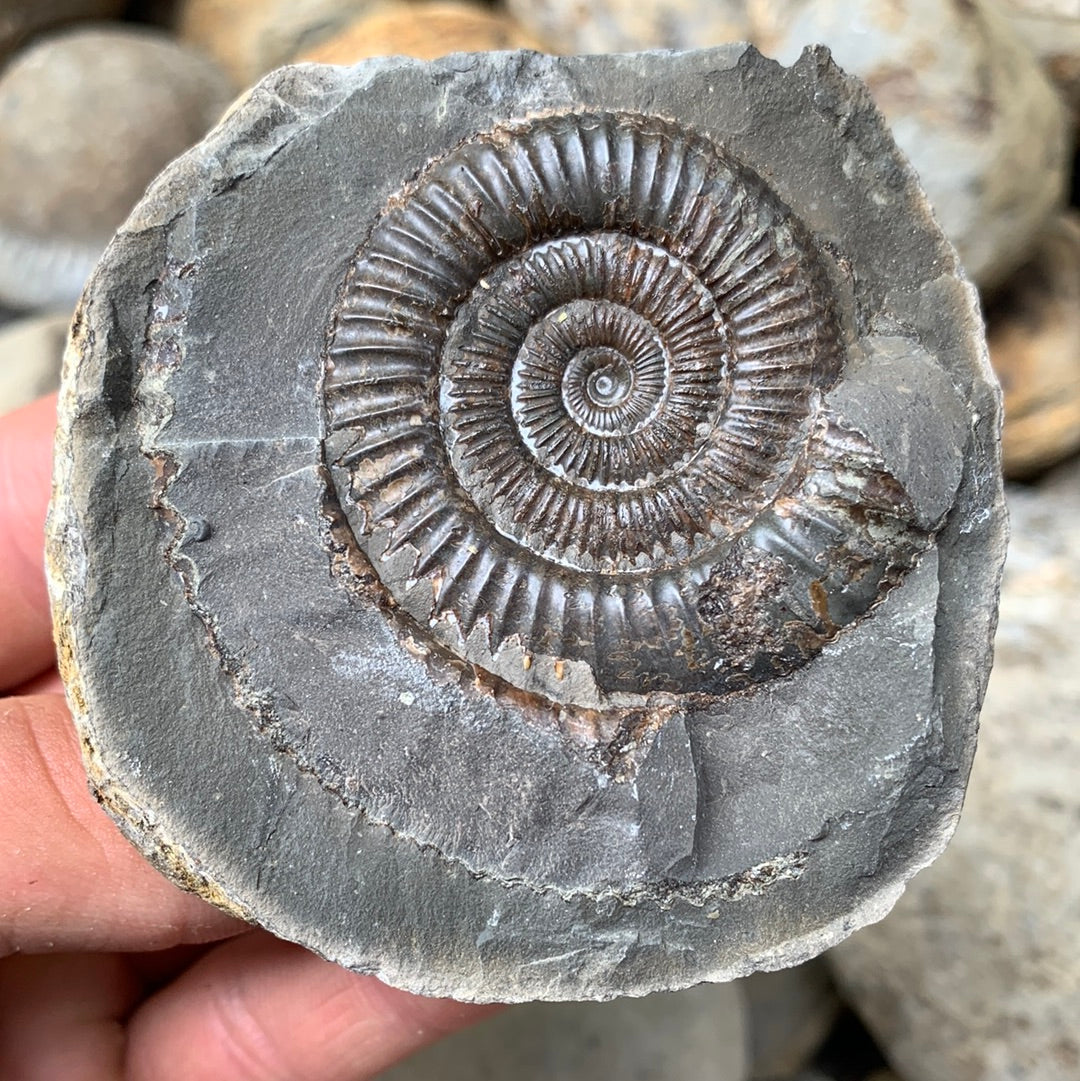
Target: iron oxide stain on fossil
[(559, 498)]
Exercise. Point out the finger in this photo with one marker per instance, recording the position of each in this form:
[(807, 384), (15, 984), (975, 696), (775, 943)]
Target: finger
[(69, 880), (48, 682), (25, 466), (258, 1009), (61, 1016), (159, 967)]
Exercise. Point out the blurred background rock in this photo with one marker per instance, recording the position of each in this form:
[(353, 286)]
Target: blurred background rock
[(88, 116), (21, 21), (424, 30), (30, 353), (1034, 335), (975, 975), (664, 1037), (250, 37), (1051, 29)]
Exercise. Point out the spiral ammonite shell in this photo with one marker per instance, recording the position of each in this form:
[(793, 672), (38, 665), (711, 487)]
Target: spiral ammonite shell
[(574, 362)]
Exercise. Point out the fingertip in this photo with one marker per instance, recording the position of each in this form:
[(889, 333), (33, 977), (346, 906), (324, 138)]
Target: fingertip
[(26, 441), (257, 1008), (61, 1016)]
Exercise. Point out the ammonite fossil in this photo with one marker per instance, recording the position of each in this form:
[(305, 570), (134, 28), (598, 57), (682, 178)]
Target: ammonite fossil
[(576, 373), (566, 492)]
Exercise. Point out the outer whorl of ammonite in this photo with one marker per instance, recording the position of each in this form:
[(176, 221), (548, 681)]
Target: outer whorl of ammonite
[(573, 363)]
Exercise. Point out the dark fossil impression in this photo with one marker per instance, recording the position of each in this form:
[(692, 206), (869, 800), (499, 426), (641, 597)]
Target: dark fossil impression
[(528, 526), (577, 374)]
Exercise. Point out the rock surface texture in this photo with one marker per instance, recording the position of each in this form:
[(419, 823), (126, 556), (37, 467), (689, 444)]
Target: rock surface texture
[(975, 975), (552, 548), (88, 117)]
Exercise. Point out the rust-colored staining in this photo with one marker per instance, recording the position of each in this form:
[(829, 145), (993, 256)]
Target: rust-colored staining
[(65, 660), (178, 865), (573, 396), (737, 607), (819, 598)]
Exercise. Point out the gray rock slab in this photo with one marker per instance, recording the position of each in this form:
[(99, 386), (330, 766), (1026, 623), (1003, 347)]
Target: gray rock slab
[(975, 975), (469, 557)]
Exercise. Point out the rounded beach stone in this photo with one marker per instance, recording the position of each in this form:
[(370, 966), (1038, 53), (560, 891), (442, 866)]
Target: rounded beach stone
[(423, 30), (87, 118), (611, 26), (250, 37), (1051, 30), (21, 21), (789, 1016), (553, 540), (1034, 335)]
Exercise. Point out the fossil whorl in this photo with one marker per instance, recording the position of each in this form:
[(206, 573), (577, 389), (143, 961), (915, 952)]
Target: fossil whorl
[(574, 383)]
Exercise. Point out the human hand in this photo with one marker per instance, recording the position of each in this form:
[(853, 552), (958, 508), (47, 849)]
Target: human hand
[(107, 970)]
